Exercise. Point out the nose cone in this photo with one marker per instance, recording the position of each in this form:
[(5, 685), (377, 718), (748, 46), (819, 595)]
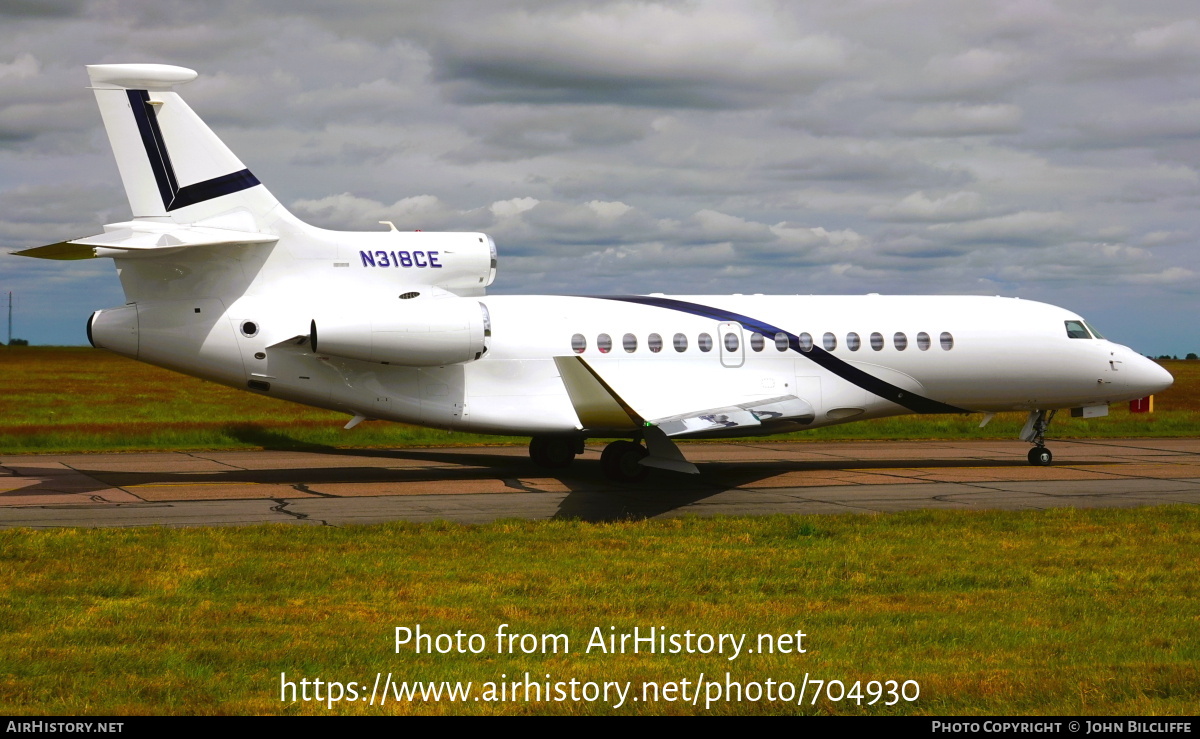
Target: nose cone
[(1146, 377)]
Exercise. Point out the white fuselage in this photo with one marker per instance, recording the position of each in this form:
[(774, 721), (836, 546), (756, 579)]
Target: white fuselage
[(915, 353)]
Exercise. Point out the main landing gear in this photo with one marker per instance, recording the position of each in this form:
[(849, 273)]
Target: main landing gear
[(1035, 433), (621, 460), (554, 452)]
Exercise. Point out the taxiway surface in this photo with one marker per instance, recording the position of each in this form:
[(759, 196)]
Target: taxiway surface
[(479, 484)]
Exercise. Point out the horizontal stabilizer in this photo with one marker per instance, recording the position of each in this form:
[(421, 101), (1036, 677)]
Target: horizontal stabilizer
[(145, 239), (754, 413), (63, 250)]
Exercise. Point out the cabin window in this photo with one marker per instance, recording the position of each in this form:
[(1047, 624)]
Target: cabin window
[(805, 341), (900, 341), (680, 342), (578, 344), (853, 342), (756, 342), (877, 341), (604, 343), (654, 343), (1076, 330), (704, 341), (829, 341), (629, 342), (781, 341), (923, 342), (731, 342), (947, 340)]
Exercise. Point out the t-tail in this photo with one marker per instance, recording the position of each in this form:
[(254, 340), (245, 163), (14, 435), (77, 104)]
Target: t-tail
[(172, 165), (221, 281), (185, 187)]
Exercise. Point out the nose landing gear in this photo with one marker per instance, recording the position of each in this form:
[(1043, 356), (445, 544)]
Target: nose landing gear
[(1034, 432), (1040, 456)]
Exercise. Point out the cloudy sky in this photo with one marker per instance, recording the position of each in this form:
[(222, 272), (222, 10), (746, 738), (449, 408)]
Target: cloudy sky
[(1034, 148)]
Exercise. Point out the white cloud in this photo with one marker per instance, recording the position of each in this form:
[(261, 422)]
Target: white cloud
[(512, 207), (1181, 35), (1168, 276), (1026, 227), (956, 206), (635, 51), (352, 213), (963, 120), (23, 66), (609, 210), (978, 70)]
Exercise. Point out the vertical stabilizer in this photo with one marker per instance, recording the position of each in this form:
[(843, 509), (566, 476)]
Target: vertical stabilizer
[(172, 165)]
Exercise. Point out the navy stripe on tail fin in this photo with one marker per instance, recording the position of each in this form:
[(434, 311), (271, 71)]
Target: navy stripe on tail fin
[(174, 196)]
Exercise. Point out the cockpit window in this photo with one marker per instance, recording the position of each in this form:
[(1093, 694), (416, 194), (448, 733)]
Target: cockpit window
[(1076, 330), (1092, 328)]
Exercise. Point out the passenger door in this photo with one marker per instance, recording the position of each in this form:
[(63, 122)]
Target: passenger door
[(731, 343)]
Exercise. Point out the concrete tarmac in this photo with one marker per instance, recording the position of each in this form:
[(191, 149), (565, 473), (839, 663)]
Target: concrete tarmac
[(336, 487)]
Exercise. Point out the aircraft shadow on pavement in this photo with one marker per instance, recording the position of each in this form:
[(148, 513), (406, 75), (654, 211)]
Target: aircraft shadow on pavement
[(589, 496)]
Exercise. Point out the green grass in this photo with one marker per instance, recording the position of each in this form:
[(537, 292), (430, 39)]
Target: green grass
[(1048, 612), (1055, 612), (68, 399)]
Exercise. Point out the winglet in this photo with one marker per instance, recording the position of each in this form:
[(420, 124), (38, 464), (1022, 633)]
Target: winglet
[(172, 164)]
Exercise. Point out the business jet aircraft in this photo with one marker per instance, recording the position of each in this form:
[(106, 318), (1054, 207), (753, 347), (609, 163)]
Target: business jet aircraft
[(223, 283)]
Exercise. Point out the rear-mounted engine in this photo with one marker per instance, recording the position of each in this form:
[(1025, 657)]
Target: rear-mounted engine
[(414, 332)]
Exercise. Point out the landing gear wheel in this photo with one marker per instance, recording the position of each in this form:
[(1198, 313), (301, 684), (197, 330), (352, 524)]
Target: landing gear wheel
[(1040, 456), (621, 461), (552, 452)]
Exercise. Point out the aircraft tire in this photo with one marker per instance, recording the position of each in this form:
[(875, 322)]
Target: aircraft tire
[(1040, 456), (620, 461), (551, 452)]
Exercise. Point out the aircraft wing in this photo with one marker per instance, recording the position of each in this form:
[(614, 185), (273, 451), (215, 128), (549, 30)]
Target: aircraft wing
[(599, 407), (753, 413)]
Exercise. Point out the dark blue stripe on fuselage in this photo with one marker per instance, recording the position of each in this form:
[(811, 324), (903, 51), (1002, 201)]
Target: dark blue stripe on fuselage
[(848, 372), (174, 196)]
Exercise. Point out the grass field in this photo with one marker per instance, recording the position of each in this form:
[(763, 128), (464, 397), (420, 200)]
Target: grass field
[(1053, 612), (1043, 612), (69, 399)]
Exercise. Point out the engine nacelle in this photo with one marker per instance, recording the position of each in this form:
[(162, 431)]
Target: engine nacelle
[(415, 332), (115, 329)]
